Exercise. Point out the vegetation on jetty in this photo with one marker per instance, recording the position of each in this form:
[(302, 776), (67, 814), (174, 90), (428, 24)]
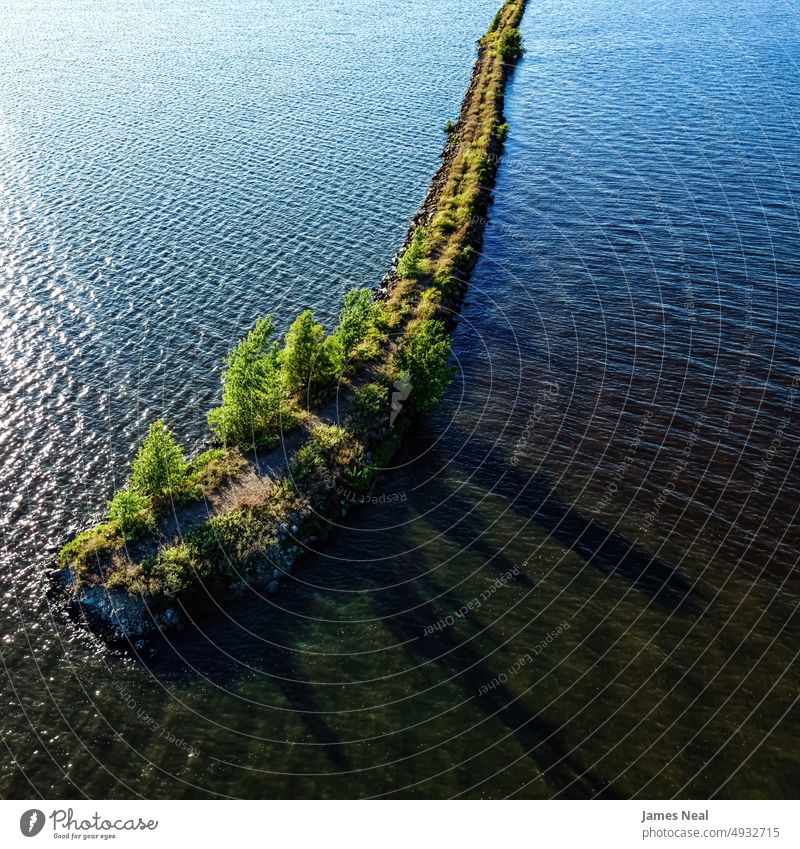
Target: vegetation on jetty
[(240, 525)]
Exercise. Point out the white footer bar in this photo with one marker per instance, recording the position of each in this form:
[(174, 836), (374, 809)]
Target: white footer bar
[(401, 824)]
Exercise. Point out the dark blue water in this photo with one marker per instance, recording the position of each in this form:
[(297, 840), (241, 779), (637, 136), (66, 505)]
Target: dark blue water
[(587, 583)]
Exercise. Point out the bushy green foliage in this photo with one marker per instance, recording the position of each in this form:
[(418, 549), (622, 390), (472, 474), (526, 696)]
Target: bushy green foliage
[(233, 536), (329, 367), (159, 467), (449, 127), (328, 447), (212, 468), (467, 256), (447, 286), (368, 409), (302, 348), (413, 263), (509, 44), (253, 397), (174, 569), (132, 511), (357, 317), (423, 357), (502, 132), (81, 552)]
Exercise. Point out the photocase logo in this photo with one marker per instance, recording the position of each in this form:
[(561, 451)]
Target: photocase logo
[(403, 387), (31, 822)]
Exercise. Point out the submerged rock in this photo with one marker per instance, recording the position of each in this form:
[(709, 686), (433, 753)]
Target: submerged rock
[(170, 618)]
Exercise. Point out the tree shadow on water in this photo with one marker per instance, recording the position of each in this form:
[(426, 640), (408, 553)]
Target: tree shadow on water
[(253, 637), (261, 636), (461, 662), (534, 497)]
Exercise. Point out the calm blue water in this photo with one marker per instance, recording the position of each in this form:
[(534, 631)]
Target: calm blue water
[(609, 487)]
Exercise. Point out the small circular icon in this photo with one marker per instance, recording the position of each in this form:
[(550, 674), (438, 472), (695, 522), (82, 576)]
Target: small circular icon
[(31, 822)]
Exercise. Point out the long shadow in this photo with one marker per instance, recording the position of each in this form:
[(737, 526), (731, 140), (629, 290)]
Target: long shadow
[(220, 649), (209, 654), (470, 532), (534, 496), (461, 662)]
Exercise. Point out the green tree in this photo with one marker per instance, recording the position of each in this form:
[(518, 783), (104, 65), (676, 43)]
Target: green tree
[(356, 319), (252, 391), (422, 359), (330, 364), (131, 510), (304, 341), (159, 466)]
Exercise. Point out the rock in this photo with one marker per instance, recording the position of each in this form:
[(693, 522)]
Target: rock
[(140, 645), (125, 614), (276, 573), (170, 618), (62, 578), (69, 535), (273, 587)]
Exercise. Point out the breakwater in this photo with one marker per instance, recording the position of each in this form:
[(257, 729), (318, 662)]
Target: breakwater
[(305, 418)]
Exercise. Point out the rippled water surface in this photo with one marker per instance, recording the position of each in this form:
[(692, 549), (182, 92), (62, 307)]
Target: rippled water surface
[(609, 489)]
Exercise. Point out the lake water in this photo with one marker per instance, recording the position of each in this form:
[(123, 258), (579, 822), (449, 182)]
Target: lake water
[(584, 580)]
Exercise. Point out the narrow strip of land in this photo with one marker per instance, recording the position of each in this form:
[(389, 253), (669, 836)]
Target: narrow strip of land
[(306, 423)]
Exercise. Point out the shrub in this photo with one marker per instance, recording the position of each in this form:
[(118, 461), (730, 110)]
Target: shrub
[(132, 511), (448, 286), (487, 168), (328, 448), (449, 127), (212, 468), (159, 467), (509, 44), (90, 545), (467, 256), (358, 316), (423, 357), (369, 408), (328, 368), (174, 569), (413, 263), (253, 400), (237, 533), (502, 132)]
